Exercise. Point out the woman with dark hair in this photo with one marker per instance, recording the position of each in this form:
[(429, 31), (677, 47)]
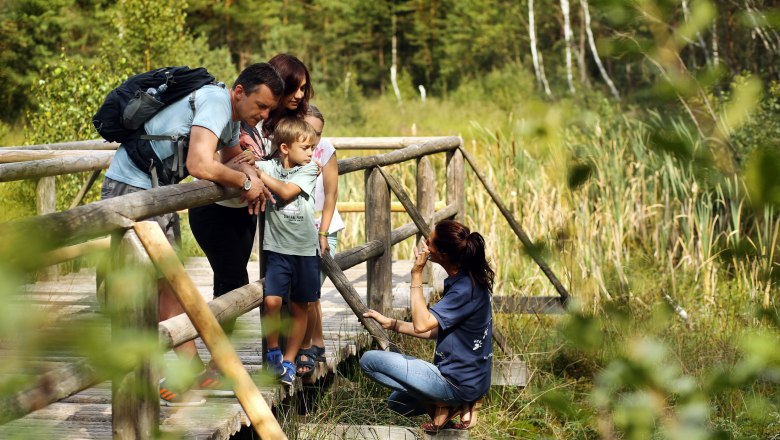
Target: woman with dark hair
[(298, 90), (462, 325)]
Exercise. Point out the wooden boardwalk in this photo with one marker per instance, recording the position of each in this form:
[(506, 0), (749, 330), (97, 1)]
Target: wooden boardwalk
[(87, 415)]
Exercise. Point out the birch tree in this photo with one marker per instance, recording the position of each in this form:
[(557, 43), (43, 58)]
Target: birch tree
[(595, 52), (568, 37), (541, 78)]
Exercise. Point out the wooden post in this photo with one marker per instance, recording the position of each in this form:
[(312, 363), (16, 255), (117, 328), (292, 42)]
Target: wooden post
[(455, 182), (222, 353), (426, 202), (132, 299), (379, 271), (46, 203)]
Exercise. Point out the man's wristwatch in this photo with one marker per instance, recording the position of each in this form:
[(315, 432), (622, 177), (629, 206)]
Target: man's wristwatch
[(247, 183)]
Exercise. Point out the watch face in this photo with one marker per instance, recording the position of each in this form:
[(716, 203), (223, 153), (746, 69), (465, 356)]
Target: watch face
[(247, 184)]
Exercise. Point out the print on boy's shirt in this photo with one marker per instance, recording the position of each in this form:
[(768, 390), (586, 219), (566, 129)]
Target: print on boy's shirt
[(291, 211)]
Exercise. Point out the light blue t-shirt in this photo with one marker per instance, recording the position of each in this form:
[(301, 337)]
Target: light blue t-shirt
[(212, 111), (289, 228)]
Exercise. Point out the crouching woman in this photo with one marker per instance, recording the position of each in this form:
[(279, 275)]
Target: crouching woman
[(461, 324)]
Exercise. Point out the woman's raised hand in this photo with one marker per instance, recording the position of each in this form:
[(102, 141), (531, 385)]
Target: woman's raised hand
[(383, 320), (246, 156), (421, 254)]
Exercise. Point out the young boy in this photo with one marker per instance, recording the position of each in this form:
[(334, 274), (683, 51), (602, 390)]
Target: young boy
[(290, 242)]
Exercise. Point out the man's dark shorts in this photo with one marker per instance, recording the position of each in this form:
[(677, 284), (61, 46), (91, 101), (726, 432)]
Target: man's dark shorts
[(292, 273), (168, 222)]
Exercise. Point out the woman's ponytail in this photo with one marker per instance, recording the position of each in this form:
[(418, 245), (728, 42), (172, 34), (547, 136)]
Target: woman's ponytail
[(467, 249)]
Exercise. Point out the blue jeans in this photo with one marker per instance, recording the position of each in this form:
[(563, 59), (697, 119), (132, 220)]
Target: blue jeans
[(416, 384)]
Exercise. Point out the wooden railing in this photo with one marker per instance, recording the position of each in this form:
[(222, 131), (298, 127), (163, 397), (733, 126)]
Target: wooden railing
[(118, 218)]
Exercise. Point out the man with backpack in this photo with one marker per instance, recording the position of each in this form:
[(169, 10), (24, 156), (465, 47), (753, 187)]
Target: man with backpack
[(208, 119)]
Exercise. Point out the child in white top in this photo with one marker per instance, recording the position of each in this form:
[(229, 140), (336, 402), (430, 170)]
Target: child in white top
[(328, 223)]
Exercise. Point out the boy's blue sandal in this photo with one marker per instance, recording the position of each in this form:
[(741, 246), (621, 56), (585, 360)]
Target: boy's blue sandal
[(288, 374), (319, 353), (305, 361), (273, 360)]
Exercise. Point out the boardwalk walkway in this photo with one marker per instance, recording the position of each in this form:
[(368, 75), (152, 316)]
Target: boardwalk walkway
[(87, 415)]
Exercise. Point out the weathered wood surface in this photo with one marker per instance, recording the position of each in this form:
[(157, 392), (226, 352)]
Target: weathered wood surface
[(53, 167), (68, 253), (426, 201), (352, 298), (439, 145), (515, 226), (93, 144), (361, 206), (9, 155), (455, 182), (45, 203), (378, 227), (209, 329), (100, 218)]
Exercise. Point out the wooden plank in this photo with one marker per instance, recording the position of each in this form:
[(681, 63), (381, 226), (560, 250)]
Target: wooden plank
[(439, 145), (45, 203), (93, 144), (68, 253), (101, 218), (35, 169), (379, 227), (351, 297), (402, 233), (223, 355), (379, 143), (426, 202), (12, 155), (455, 182)]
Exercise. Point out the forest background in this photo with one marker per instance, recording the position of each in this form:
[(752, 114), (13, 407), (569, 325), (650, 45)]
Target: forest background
[(636, 140)]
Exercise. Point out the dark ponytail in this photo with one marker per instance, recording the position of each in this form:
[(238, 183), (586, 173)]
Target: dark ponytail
[(466, 249)]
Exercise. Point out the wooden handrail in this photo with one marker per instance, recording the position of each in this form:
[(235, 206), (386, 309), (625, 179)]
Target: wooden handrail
[(344, 143), (35, 169)]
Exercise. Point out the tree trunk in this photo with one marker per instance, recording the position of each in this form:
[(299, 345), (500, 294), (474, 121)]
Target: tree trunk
[(535, 55), (595, 52), (568, 37), (394, 66)]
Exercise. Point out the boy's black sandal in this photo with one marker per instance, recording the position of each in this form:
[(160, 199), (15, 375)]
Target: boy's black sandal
[(305, 360)]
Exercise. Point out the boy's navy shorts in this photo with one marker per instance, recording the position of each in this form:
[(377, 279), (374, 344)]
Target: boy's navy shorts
[(296, 274)]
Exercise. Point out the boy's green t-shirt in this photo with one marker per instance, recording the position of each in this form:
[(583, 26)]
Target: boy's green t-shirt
[(289, 227)]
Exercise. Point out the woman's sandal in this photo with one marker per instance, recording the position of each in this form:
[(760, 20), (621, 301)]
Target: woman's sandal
[(305, 360), (441, 418), (468, 415)]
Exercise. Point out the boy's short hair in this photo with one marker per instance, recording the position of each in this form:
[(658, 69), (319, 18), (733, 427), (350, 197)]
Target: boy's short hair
[(290, 130)]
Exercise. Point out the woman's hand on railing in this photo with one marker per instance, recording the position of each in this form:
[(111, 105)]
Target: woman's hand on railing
[(246, 156), (384, 321)]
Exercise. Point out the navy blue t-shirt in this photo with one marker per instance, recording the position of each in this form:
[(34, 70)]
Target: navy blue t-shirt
[(464, 345)]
